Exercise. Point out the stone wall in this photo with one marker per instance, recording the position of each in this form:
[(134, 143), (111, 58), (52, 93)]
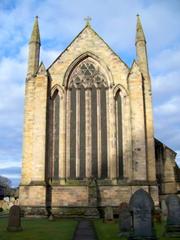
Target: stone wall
[(114, 195), (69, 196), (32, 196), (166, 168)]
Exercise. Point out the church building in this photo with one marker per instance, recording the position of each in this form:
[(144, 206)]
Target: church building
[(88, 130)]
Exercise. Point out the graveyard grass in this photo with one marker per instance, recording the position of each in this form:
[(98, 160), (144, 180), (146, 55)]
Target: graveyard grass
[(43, 229), (40, 229), (109, 231)]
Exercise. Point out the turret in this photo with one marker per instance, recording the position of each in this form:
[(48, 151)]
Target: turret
[(34, 50)]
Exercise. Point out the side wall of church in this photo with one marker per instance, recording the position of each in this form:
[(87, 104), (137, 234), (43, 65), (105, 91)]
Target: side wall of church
[(166, 166)]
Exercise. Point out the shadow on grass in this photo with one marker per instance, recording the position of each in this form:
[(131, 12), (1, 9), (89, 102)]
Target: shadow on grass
[(40, 229)]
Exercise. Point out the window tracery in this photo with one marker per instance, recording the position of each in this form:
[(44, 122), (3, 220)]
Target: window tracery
[(88, 74)]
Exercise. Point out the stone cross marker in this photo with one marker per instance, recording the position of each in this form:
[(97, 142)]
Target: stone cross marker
[(14, 221), (141, 206), (124, 219), (173, 218), (108, 215)]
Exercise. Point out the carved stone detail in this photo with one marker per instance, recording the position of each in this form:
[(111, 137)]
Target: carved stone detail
[(87, 73)]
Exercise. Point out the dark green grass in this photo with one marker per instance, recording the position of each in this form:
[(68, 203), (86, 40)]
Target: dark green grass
[(40, 229), (109, 231)]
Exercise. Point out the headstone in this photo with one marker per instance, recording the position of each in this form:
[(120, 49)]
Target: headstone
[(51, 217), (141, 206), (108, 215), (173, 218), (164, 210), (14, 221), (124, 220)]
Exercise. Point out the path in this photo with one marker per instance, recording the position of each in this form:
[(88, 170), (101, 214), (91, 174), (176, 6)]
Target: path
[(85, 231)]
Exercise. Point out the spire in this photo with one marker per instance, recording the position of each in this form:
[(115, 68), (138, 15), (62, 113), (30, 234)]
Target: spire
[(139, 31), (34, 49), (141, 51), (35, 36)]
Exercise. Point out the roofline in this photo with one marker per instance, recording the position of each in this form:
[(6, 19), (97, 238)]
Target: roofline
[(165, 146), (87, 26)]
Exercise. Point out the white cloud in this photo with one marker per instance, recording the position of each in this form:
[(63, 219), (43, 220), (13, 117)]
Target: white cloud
[(166, 60), (178, 157), (170, 107), (10, 176), (166, 83)]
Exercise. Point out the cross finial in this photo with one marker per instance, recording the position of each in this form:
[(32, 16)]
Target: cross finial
[(87, 19)]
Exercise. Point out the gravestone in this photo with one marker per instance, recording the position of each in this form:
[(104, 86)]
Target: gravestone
[(14, 221), (173, 218), (141, 206), (108, 215), (164, 210), (51, 217), (124, 220)]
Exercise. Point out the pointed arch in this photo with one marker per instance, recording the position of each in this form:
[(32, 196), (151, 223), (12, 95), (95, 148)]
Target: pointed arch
[(103, 67), (86, 82), (58, 89), (122, 89), (56, 96), (119, 131)]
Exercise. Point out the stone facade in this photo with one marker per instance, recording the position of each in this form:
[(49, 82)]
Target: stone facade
[(88, 129)]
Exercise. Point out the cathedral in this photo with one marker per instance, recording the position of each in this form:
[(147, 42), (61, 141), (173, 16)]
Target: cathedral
[(88, 139)]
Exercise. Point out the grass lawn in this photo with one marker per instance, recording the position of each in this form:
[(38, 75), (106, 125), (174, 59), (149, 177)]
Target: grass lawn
[(40, 229), (110, 231)]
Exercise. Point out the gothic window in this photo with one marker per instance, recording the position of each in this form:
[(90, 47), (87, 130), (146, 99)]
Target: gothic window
[(73, 133), (87, 74), (118, 108), (82, 132), (55, 124), (103, 132), (87, 86), (94, 130)]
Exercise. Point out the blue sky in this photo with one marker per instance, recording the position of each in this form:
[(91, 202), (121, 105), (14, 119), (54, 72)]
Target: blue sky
[(60, 21)]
